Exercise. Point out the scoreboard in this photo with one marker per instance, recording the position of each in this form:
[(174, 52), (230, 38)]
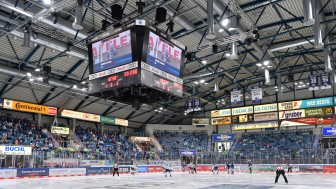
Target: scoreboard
[(135, 58)]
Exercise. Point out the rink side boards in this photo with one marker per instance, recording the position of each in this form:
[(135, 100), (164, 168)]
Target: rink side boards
[(126, 169)]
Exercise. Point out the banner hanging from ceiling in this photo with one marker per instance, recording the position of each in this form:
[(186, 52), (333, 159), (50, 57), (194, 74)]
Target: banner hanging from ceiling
[(29, 107), (313, 82), (256, 94), (236, 96), (325, 81)]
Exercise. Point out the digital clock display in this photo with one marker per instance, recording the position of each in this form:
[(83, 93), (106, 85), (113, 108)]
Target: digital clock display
[(119, 79), (167, 85)]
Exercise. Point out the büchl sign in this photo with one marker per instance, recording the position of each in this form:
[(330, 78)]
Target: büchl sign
[(15, 150)]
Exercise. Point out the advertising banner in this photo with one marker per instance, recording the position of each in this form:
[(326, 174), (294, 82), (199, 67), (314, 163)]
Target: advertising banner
[(142, 169), (266, 116), (80, 115), (222, 137), (242, 118), (291, 114), (200, 121), (329, 169), (7, 173), (221, 113), (262, 125), (155, 169), (236, 96), (256, 93), (325, 80), (320, 112), (221, 121), (242, 110), (97, 170), (313, 82), (329, 131), (121, 122), (123, 169), (28, 107), (27, 172), (307, 121), (140, 139), (187, 152), (315, 168), (97, 163), (108, 120), (60, 130), (15, 150), (301, 104), (266, 108), (66, 171)]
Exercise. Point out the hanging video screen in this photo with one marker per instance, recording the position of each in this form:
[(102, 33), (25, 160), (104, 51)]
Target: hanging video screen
[(112, 52), (164, 55)]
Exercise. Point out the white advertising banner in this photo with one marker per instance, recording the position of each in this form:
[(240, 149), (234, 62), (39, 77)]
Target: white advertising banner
[(15, 150), (7, 173), (60, 130), (266, 116), (257, 95), (80, 115), (292, 114), (236, 96), (67, 171), (266, 108), (242, 110)]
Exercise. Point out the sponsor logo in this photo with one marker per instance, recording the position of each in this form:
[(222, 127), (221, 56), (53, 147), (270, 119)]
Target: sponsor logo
[(292, 114)]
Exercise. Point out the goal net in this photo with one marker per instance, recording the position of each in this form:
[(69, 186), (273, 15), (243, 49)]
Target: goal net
[(254, 169)]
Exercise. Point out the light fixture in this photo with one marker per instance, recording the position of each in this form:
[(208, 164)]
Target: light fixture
[(202, 81), (246, 97), (31, 79), (266, 62), (204, 62), (161, 108), (37, 69), (196, 82), (83, 89), (269, 66), (259, 64), (291, 45), (48, 2), (224, 22), (77, 24), (75, 86), (83, 82), (29, 74), (221, 30), (227, 54), (276, 87), (40, 78)]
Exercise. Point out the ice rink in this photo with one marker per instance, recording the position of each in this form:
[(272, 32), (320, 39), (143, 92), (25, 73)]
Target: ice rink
[(178, 181)]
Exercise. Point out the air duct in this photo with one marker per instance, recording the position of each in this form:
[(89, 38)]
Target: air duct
[(327, 61), (234, 54), (77, 25), (216, 84), (267, 77), (211, 34), (308, 12), (317, 26), (291, 44)]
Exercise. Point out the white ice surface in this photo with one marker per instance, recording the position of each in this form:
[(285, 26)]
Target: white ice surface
[(178, 181)]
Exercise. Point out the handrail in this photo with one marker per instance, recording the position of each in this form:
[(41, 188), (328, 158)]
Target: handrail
[(53, 139)]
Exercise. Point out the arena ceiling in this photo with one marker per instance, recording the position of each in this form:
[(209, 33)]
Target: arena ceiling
[(279, 23)]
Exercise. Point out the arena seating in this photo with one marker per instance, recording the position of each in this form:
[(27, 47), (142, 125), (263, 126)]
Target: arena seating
[(19, 131), (107, 146), (266, 145), (173, 141)]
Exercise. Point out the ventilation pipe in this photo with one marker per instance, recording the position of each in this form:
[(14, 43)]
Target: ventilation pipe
[(317, 26), (211, 34), (234, 54), (308, 12), (77, 25), (327, 62), (267, 77), (216, 84)]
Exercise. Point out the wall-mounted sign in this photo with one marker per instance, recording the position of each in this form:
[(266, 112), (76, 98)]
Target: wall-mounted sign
[(301, 104), (108, 120), (266, 116), (329, 131), (121, 122), (242, 118), (242, 110), (320, 112), (291, 114), (307, 121), (262, 125), (80, 115), (221, 121), (200, 121), (266, 108), (60, 130), (140, 139), (187, 152), (28, 107), (15, 150), (221, 113), (222, 137)]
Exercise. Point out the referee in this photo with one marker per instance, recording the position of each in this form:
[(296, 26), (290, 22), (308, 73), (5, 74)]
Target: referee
[(280, 171)]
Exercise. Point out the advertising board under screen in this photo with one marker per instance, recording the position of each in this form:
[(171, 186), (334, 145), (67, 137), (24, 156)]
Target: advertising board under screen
[(112, 52), (163, 55)]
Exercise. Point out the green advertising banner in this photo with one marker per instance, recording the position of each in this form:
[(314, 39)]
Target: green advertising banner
[(319, 112), (108, 120)]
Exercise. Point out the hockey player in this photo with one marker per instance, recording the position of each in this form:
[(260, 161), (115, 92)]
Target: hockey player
[(184, 165), (289, 170), (192, 168), (116, 169), (249, 164), (215, 168), (280, 171), (167, 169), (134, 169), (228, 167), (232, 168)]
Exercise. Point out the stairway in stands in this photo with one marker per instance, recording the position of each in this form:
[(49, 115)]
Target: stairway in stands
[(209, 148), (53, 138)]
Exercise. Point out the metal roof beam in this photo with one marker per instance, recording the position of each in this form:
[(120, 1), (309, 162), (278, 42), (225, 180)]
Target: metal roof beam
[(72, 69)]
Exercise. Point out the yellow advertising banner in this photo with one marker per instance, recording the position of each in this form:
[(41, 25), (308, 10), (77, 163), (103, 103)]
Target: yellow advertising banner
[(221, 113), (29, 107), (122, 122), (263, 125), (221, 121), (80, 115)]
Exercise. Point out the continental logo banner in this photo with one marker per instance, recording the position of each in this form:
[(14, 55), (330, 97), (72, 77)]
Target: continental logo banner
[(28, 107), (80, 115), (221, 113), (221, 121)]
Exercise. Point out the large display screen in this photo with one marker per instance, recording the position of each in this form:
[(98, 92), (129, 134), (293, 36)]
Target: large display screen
[(163, 55), (112, 52)]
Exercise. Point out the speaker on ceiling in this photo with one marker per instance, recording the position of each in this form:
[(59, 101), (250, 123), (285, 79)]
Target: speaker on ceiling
[(161, 14), (291, 77), (47, 70), (117, 11)]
